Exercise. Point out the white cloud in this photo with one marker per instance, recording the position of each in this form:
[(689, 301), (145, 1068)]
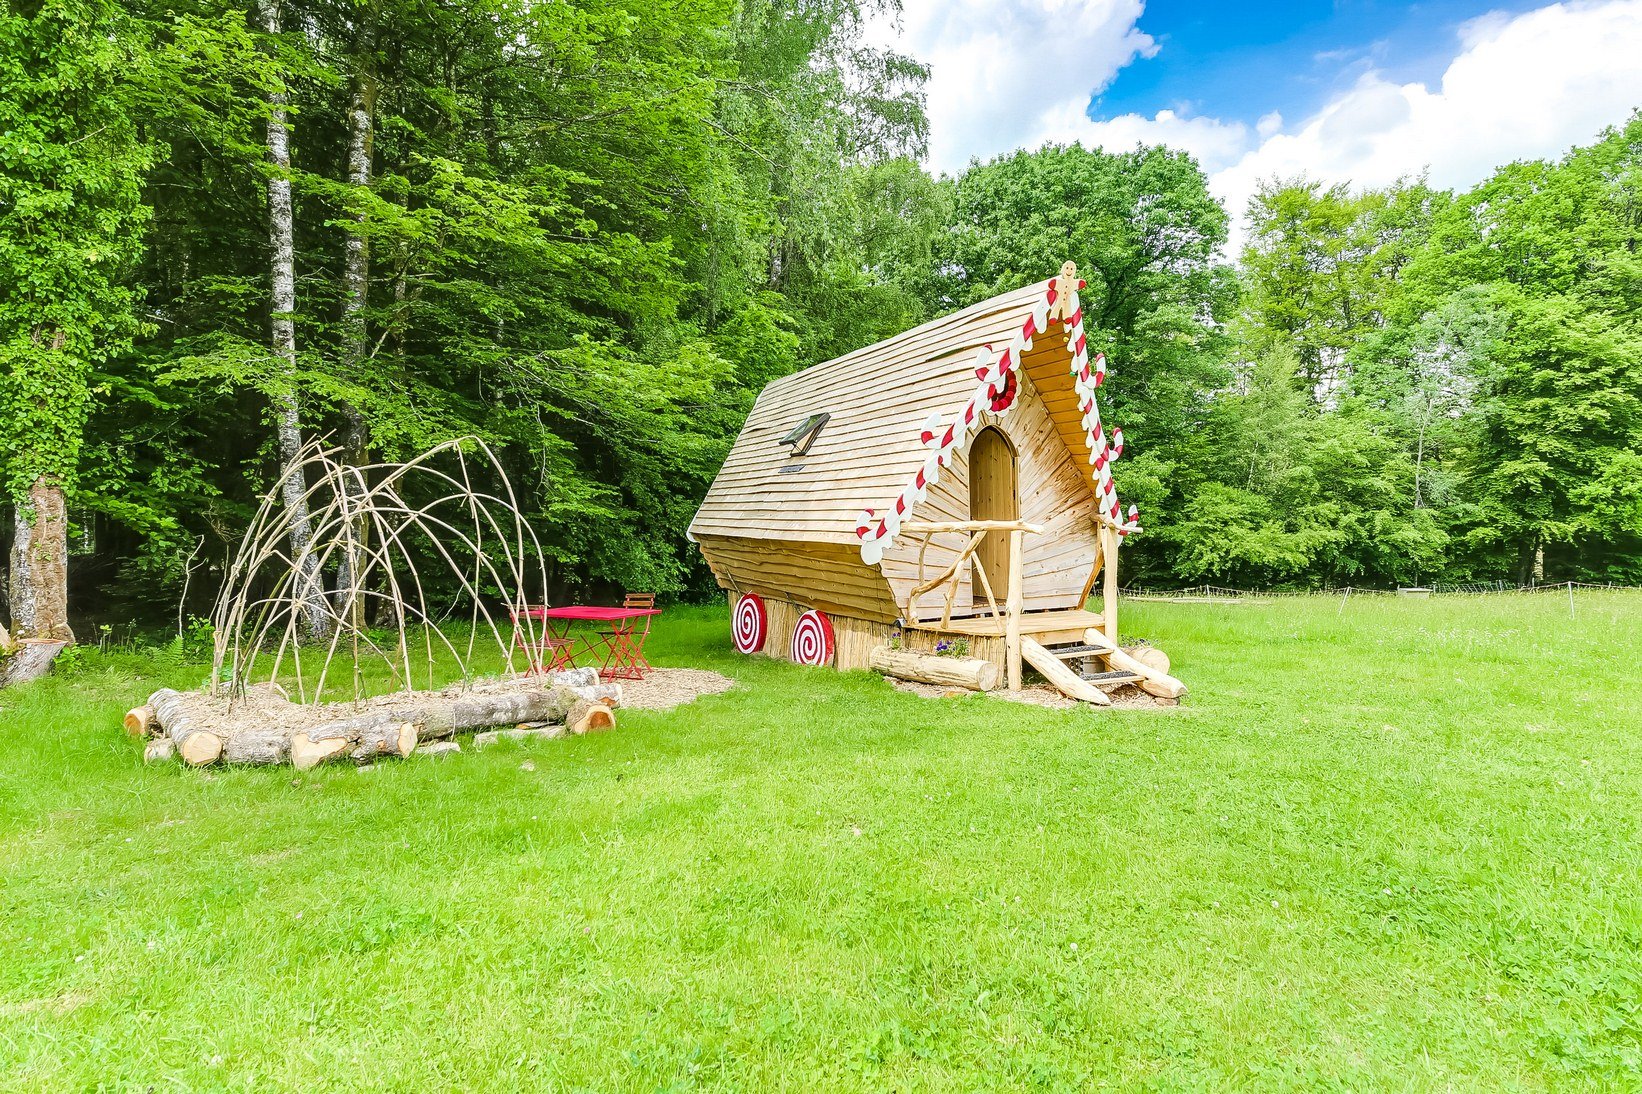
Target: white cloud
[(999, 69), (1521, 88), (1007, 75), (1215, 143)]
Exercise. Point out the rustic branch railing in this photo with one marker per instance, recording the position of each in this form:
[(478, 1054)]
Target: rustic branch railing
[(951, 577)]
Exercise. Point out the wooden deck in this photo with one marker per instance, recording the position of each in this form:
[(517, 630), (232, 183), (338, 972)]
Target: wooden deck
[(1048, 628)]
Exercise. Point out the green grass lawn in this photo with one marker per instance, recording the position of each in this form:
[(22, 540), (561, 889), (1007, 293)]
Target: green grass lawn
[(1393, 844)]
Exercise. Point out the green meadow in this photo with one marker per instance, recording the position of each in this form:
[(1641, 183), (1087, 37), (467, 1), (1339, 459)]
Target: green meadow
[(1384, 844)]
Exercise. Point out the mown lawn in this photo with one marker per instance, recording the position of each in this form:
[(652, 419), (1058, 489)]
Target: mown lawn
[(1389, 844)]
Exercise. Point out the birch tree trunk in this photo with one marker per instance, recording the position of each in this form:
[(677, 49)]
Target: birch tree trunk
[(356, 287), (39, 564), (287, 409)]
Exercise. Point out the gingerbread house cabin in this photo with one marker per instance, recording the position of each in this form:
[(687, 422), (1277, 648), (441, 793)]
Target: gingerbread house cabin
[(937, 506)]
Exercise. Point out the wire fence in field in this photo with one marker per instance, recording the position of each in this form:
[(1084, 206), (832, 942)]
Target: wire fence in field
[(1219, 594)]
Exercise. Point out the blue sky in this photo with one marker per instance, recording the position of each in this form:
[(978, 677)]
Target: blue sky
[(1242, 61), (1358, 91)]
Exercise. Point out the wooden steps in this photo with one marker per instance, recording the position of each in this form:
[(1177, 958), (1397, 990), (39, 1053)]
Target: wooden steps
[(1060, 675), (1083, 653), (1113, 679), (1081, 649)]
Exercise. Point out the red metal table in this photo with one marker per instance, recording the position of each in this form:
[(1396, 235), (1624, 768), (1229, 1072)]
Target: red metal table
[(620, 649)]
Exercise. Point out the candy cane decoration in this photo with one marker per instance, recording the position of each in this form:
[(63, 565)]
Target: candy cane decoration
[(995, 389), (1086, 377)]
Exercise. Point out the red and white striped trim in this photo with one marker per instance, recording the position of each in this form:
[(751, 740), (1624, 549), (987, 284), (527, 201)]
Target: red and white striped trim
[(995, 376)]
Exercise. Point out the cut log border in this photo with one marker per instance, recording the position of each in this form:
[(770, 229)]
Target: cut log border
[(187, 725)]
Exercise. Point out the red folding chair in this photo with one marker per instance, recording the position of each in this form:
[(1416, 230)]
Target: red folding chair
[(625, 638), (558, 652), (645, 601)]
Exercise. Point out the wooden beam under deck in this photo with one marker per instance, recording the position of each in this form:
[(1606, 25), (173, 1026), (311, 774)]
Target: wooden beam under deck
[(1046, 628)]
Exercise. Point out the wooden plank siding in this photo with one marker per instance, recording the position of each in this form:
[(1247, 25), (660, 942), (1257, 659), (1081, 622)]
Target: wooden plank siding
[(817, 575), (868, 451)]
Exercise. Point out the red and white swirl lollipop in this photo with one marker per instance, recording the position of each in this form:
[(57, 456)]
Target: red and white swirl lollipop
[(752, 623), (812, 642)]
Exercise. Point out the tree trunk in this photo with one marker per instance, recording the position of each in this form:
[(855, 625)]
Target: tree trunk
[(39, 565), (356, 286), (282, 304), (520, 733), (257, 746), (358, 739), (29, 661), (1419, 459), (350, 580)]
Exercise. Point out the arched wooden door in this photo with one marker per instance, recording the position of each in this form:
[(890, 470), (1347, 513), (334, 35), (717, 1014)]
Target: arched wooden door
[(993, 495)]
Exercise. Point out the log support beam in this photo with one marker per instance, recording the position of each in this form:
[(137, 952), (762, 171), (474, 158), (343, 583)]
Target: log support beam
[(971, 673), (1015, 605)]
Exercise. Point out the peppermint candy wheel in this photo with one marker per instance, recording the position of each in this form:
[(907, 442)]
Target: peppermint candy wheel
[(812, 639), (751, 623)]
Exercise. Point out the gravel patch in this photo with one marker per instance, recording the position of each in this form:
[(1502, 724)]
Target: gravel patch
[(664, 689)]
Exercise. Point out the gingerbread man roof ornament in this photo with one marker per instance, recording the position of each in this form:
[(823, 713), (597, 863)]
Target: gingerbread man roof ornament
[(1066, 287)]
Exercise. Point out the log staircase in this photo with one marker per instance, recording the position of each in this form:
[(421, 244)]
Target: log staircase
[(1086, 670), (1087, 661), (1074, 650)]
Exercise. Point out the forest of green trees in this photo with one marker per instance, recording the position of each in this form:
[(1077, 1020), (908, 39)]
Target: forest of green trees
[(590, 232)]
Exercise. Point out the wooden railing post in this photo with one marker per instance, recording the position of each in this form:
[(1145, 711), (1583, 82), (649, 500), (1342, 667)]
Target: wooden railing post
[(1109, 540), (1012, 624)]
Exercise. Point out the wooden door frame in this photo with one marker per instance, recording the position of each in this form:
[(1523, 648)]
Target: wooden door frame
[(997, 543)]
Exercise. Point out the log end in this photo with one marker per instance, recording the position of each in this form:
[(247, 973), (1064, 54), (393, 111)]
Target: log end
[(307, 753), (1150, 656), (159, 750), (586, 717), (139, 721), (1165, 687), (199, 749)]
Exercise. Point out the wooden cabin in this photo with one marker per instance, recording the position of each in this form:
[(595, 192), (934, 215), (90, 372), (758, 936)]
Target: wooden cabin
[(949, 485)]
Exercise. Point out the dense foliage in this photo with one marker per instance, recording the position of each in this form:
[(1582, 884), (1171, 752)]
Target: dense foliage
[(591, 232)]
